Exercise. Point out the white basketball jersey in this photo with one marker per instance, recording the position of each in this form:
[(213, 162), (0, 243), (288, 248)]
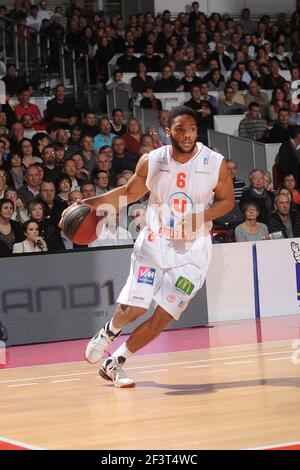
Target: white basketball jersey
[(177, 189), (180, 188)]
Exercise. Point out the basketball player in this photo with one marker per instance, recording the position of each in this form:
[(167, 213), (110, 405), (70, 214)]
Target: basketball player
[(171, 255)]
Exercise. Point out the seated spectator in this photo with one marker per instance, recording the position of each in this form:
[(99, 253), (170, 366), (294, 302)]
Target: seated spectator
[(237, 97), (3, 163), (26, 152), (153, 133), (112, 233), (133, 137), (147, 143), (9, 113), (53, 207), (64, 185), (258, 194), (141, 80), (204, 95), (16, 135), (33, 242), (294, 114), (81, 172), (277, 103), (222, 58), (20, 214), (3, 124), (52, 172), (117, 81), (216, 82), (150, 59), (61, 109), (122, 160), (74, 142), (289, 183), (14, 84), (73, 197), (10, 231), (284, 223), (190, 78), (283, 60), (15, 169), (289, 156), (205, 113), (101, 181), (259, 97), (105, 136), (3, 185), (27, 123), (89, 126), (30, 189), (25, 107), (128, 62), (238, 185), (253, 126), (273, 79), (168, 83), (88, 189), (228, 106), (281, 131), (39, 141), (117, 126), (162, 129), (251, 230), (69, 169), (149, 101), (268, 181), (87, 152), (237, 76)]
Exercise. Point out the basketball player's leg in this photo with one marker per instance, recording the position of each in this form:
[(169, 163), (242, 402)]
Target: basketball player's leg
[(133, 301)]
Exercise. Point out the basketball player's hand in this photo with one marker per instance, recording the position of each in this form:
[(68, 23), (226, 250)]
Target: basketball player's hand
[(61, 222)]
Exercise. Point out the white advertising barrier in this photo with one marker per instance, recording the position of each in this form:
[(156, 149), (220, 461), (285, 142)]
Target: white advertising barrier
[(228, 124), (2, 92), (279, 277), (230, 283)]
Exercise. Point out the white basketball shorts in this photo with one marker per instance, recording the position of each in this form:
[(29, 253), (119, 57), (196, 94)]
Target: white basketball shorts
[(172, 288)]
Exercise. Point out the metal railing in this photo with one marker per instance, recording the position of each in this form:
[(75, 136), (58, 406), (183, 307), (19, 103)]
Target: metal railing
[(43, 60)]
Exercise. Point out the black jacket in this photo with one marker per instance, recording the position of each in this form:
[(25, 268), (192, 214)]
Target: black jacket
[(288, 162), (276, 224)]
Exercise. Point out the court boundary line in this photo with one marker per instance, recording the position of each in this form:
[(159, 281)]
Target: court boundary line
[(20, 443), (275, 446)]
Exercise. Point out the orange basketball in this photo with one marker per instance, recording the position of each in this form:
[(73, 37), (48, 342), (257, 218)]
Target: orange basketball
[(80, 223)]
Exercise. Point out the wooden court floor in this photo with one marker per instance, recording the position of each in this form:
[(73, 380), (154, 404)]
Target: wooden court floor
[(221, 398)]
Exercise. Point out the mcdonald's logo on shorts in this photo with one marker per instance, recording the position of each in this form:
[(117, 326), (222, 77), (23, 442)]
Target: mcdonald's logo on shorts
[(184, 285)]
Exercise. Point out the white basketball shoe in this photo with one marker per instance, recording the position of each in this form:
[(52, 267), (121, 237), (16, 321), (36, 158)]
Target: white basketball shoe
[(112, 370), (100, 343)]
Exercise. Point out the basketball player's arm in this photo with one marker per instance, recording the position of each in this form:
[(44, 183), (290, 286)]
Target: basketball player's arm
[(224, 194), (127, 194)]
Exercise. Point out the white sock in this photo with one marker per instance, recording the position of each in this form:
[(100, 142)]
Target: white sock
[(122, 351), (113, 329)]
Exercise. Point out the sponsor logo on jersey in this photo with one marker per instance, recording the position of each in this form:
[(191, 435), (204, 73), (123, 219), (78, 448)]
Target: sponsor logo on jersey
[(184, 285), (202, 172), (146, 275), (205, 160), (138, 298), (181, 304), (171, 298)]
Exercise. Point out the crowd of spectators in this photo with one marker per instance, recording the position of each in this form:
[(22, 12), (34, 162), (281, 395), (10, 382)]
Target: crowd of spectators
[(79, 155)]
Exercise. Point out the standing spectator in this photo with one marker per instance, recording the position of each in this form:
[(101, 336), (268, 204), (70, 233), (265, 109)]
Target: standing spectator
[(238, 185), (253, 126), (284, 223), (289, 156), (61, 109), (251, 230)]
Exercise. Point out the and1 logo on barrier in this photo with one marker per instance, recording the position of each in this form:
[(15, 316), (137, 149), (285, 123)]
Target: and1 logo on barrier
[(296, 253), (184, 285), (146, 275)]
